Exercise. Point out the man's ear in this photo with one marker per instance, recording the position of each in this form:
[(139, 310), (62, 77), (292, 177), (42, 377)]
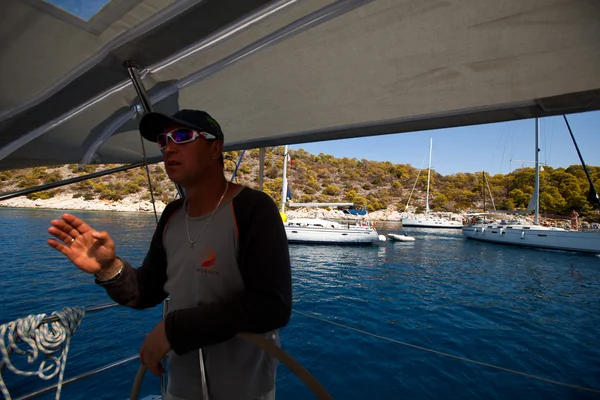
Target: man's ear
[(216, 149)]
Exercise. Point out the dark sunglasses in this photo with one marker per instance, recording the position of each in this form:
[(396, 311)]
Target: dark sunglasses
[(181, 136)]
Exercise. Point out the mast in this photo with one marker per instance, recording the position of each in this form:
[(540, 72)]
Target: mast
[(537, 172), (284, 183), (483, 189), (428, 176)]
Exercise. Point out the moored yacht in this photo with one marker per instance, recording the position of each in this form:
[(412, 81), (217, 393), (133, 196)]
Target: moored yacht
[(535, 235), (322, 231)]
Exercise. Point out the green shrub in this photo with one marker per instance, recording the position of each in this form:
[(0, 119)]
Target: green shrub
[(45, 195), (100, 187), (84, 185), (54, 176), (331, 190), (229, 165), (28, 180), (111, 195), (131, 188)]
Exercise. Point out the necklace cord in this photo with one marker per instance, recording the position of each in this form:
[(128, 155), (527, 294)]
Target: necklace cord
[(187, 229)]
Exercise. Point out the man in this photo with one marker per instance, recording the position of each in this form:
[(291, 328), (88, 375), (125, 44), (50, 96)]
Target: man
[(574, 220), (222, 256)]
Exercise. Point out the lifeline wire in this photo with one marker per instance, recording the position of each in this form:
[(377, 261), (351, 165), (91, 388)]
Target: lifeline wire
[(451, 355)]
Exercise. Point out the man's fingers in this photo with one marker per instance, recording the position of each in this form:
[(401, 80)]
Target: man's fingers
[(65, 227), (60, 234), (76, 223), (66, 250), (103, 237), (149, 359), (155, 368)]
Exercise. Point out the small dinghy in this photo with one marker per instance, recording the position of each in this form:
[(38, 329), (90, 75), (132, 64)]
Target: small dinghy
[(401, 238)]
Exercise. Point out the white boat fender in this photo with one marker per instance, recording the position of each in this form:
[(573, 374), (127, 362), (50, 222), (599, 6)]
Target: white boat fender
[(382, 238)]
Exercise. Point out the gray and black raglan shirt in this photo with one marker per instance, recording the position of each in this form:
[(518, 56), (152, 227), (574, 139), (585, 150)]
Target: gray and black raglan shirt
[(235, 278)]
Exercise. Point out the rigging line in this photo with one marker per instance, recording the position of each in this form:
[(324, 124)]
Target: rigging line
[(148, 177), (487, 182), (495, 150), (416, 180), (551, 139), (592, 195), (543, 141), (450, 355), (503, 149), (512, 147)]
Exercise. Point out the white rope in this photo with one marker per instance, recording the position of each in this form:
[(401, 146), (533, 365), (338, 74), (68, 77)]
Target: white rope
[(452, 356), (49, 338)]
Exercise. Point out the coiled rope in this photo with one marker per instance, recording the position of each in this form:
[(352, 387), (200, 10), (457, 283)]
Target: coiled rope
[(451, 355), (51, 338)]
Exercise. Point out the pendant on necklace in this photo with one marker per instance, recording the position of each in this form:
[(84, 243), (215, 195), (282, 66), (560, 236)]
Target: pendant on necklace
[(191, 246)]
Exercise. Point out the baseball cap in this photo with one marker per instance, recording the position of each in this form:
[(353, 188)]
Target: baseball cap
[(153, 124)]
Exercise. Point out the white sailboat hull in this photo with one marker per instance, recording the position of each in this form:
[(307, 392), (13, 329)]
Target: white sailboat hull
[(328, 235), (431, 223), (535, 236)]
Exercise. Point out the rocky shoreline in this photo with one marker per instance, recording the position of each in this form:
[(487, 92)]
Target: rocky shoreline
[(68, 202), (134, 203)]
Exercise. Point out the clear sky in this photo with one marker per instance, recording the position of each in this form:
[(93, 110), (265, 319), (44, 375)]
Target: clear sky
[(489, 147), (84, 9)]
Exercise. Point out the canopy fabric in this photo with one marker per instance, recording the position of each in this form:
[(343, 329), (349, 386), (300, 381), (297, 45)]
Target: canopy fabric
[(285, 72)]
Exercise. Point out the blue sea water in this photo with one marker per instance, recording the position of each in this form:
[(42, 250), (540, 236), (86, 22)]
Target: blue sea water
[(533, 311)]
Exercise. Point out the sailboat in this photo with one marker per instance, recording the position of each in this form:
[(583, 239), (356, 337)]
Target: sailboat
[(429, 220), (323, 231), (535, 235)]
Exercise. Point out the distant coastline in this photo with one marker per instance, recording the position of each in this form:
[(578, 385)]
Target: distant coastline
[(134, 203), (66, 201), (383, 188)]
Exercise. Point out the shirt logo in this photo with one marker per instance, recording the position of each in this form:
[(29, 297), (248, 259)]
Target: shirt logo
[(208, 260)]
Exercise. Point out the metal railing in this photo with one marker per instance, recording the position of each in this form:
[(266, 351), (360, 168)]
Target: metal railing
[(79, 377)]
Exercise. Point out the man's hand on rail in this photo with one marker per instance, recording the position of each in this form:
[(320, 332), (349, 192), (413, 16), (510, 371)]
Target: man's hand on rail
[(154, 348)]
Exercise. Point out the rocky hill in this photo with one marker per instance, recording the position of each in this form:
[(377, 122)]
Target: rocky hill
[(323, 178)]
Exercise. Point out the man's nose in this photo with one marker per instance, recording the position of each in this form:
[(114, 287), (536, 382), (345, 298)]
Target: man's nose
[(170, 147)]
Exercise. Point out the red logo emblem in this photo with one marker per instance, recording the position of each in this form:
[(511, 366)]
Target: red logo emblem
[(208, 259)]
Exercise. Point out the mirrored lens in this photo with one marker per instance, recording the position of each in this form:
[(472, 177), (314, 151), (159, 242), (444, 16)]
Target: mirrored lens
[(181, 135), (178, 136), (162, 141)]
